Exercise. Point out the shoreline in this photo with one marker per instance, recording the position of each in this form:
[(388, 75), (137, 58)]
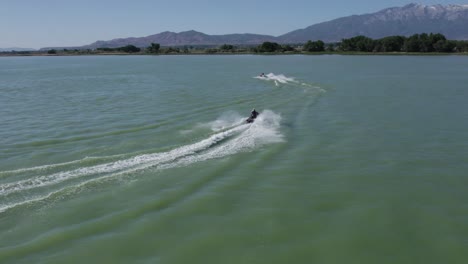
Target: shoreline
[(241, 53)]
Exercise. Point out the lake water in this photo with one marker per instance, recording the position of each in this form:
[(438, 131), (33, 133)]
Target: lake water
[(146, 159)]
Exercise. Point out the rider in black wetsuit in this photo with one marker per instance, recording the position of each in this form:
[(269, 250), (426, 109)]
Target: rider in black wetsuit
[(253, 114)]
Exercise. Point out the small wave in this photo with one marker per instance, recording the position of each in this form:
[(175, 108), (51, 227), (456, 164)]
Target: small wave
[(87, 137)]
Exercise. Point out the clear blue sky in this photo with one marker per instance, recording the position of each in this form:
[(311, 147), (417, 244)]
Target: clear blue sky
[(46, 23)]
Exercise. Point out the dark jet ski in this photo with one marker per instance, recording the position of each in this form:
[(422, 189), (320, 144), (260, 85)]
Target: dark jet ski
[(252, 117), (250, 120)]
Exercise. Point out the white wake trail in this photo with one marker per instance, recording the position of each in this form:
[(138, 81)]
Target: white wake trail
[(280, 78), (241, 137), (111, 167)]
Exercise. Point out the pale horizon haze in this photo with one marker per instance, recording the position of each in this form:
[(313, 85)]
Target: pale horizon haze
[(65, 23)]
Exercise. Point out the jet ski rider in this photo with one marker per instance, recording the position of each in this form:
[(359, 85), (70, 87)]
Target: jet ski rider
[(253, 114)]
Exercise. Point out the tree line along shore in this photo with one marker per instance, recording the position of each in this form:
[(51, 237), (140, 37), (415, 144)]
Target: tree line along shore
[(416, 44)]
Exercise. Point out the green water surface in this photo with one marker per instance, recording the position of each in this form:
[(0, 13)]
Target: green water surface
[(145, 159)]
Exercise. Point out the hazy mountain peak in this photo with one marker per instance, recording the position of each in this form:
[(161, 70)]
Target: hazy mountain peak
[(191, 32)]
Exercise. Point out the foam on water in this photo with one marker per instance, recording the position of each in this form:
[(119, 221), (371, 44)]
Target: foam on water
[(226, 121), (56, 165), (277, 79), (284, 80), (264, 130), (233, 136)]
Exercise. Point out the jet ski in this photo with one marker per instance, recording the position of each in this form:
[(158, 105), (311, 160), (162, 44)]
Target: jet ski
[(252, 117)]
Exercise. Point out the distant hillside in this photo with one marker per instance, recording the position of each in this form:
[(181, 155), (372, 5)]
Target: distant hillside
[(183, 38), (451, 20), (16, 49)]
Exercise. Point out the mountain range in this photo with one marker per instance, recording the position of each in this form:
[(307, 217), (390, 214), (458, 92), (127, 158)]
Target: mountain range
[(15, 49), (450, 20)]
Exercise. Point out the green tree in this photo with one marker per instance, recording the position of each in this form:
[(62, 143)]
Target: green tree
[(171, 50), (330, 47), (444, 45), (153, 48), (129, 49), (434, 38), (461, 46), (226, 47), (105, 49), (425, 44), (52, 51), (211, 51), (287, 48), (358, 43), (269, 47), (365, 44), (392, 43), (312, 46), (412, 44)]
